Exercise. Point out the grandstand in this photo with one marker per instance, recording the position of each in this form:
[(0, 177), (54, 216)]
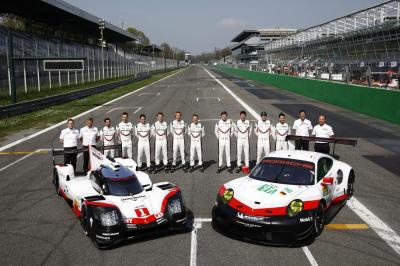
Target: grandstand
[(55, 29), (362, 47)]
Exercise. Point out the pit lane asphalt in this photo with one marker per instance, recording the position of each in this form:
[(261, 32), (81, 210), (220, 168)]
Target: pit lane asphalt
[(37, 227)]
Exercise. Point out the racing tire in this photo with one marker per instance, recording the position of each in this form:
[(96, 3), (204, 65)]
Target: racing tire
[(56, 182), (319, 220), (85, 220), (350, 185)]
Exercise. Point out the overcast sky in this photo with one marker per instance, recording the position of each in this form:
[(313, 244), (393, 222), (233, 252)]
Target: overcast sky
[(200, 25)]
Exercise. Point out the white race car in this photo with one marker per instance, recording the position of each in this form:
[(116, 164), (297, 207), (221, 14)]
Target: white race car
[(114, 202), (286, 199)]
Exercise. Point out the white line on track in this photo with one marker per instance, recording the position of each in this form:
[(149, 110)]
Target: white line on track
[(22, 158), (197, 98), (16, 161), (193, 244), (380, 228), (376, 224), (309, 256), (14, 143), (150, 93), (120, 108)]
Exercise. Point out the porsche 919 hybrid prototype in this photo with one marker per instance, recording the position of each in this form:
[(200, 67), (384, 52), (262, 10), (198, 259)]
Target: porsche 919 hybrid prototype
[(114, 202), (286, 197)]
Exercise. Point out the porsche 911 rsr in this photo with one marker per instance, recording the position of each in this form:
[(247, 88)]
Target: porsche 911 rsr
[(285, 199), (114, 202)]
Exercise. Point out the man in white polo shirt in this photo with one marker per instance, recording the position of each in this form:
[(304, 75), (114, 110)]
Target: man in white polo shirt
[(322, 131), (88, 135), (302, 127), (69, 138)]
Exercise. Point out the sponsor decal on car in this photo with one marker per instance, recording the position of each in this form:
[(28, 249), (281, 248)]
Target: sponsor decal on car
[(249, 218), (247, 224), (290, 163), (324, 190), (132, 198), (103, 237), (110, 234), (131, 226), (306, 219), (268, 188)]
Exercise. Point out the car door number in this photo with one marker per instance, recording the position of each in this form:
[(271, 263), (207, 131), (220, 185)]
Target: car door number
[(140, 212)]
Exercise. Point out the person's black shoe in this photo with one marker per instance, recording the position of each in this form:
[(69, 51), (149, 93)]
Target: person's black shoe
[(172, 169), (230, 170), (185, 168), (152, 169), (238, 169), (219, 170), (167, 168), (201, 169), (191, 169)]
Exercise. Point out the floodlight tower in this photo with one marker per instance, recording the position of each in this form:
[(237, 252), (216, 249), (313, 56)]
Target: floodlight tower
[(102, 26)]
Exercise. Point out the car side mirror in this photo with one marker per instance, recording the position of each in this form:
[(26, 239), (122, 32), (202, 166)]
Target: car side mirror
[(327, 180)]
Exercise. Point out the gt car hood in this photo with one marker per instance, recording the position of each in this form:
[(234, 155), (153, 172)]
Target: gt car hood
[(260, 194)]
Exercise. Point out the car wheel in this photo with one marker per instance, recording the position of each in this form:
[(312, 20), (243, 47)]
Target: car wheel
[(56, 182), (350, 185), (85, 219), (319, 220)]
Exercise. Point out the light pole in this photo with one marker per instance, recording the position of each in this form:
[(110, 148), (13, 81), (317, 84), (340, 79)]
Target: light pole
[(102, 26)]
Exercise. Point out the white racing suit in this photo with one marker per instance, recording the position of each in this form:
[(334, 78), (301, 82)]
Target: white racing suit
[(280, 133), (263, 131), (223, 131), (196, 133), (242, 132), (142, 132), (160, 132), (107, 136), (125, 132), (178, 131)]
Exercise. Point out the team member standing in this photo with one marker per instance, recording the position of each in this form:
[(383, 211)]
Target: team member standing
[(178, 131), (160, 132), (302, 127), (142, 132), (107, 136), (263, 131), (69, 138), (196, 133), (223, 131), (322, 130), (88, 135), (281, 130), (242, 132), (125, 132)]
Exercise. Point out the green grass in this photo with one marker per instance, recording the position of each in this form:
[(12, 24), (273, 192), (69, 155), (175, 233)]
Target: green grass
[(55, 90), (43, 118)]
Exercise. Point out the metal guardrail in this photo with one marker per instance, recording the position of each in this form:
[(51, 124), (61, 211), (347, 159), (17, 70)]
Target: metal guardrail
[(34, 105)]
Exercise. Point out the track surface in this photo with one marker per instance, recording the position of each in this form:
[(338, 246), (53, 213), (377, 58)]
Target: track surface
[(37, 227)]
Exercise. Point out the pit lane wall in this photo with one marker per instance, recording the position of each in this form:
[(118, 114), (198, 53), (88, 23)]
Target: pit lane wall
[(379, 103)]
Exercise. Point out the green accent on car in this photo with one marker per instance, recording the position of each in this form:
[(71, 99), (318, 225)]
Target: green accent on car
[(268, 188)]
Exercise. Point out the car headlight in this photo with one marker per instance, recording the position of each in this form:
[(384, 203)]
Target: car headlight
[(227, 196), (109, 218), (295, 207), (175, 207)]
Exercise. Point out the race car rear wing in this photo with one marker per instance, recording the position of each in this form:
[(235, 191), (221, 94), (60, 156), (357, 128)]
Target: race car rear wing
[(352, 142), (59, 152), (342, 141)]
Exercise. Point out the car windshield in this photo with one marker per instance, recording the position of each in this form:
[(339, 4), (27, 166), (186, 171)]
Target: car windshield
[(123, 186), (121, 182), (284, 171)]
